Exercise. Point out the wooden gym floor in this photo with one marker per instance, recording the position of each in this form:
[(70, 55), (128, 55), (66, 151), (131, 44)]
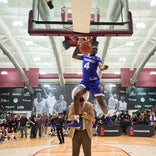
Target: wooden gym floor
[(108, 146)]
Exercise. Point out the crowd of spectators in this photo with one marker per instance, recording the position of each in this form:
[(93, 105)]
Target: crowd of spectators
[(41, 125), (124, 119), (13, 126), (8, 125)]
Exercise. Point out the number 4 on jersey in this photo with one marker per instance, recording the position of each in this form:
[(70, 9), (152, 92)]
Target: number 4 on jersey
[(87, 65)]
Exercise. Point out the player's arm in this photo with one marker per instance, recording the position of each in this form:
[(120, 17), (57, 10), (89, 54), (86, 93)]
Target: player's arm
[(102, 66), (76, 53)]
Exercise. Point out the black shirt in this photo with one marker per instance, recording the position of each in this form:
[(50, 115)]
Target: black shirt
[(23, 121)]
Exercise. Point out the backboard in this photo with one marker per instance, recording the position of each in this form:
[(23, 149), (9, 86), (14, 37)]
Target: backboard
[(76, 18)]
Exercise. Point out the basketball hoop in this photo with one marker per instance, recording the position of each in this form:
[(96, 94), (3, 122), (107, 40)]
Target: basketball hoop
[(75, 39)]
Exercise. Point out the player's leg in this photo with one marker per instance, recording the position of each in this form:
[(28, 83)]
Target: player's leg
[(77, 96), (78, 93), (98, 92), (77, 114), (102, 104)]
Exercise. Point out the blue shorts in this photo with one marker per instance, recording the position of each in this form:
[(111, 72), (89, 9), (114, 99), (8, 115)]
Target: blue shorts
[(94, 86), (53, 126)]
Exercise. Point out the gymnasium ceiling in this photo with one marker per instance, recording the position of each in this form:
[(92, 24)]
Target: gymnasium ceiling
[(37, 52)]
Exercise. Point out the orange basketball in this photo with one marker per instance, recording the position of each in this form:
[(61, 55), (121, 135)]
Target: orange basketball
[(85, 47)]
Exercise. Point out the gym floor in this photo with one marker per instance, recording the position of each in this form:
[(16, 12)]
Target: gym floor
[(109, 146)]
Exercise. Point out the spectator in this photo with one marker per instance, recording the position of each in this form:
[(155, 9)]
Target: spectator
[(100, 120), (23, 126), (59, 121), (32, 121), (52, 125), (39, 127), (45, 123)]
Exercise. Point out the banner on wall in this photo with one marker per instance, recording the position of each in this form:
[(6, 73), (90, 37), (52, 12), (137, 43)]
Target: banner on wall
[(52, 99), (141, 98), (19, 99)]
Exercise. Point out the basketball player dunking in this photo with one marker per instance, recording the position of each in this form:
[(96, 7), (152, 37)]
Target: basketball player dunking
[(90, 80)]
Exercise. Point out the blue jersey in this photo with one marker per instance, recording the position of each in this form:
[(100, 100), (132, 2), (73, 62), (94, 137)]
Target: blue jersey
[(89, 67)]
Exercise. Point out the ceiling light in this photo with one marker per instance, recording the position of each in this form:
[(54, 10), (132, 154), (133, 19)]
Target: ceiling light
[(37, 59), (3, 1), (4, 72), (140, 25), (153, 3), (29, 43), (153, 73), (18, 24), (43, 73), (129, 44), (117, 73), (122, 59)]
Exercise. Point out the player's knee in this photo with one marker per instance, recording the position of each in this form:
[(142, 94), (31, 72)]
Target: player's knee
[(77, 95)]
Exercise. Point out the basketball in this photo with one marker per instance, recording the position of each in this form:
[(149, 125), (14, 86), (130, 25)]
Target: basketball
[(85, 47)]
